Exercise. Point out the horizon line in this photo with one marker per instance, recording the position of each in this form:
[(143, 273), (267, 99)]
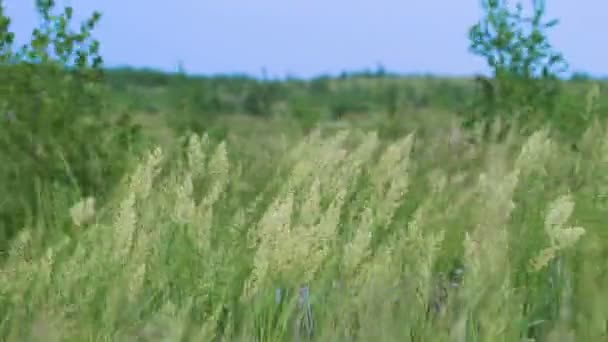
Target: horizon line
[(378, 71)]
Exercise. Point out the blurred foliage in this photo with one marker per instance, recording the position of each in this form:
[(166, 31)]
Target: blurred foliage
[(524, 64), (52, 132), (194, 103)]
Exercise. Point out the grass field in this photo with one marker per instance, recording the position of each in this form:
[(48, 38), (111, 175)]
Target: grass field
[(336, 235)]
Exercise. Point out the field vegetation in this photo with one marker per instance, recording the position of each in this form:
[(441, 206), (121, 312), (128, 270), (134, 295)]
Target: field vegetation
[(146, 206)]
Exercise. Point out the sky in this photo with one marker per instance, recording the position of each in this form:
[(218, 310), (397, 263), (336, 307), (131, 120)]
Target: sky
[(306, 38)]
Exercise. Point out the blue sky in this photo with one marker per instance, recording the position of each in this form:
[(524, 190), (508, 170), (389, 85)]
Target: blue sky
[(309, 37)]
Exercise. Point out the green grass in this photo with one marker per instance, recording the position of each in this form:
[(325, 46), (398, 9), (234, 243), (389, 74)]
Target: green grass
[(196, 241)]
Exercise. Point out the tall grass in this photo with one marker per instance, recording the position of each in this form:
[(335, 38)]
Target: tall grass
[(345, 237)]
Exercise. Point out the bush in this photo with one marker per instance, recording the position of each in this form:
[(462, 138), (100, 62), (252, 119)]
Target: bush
[(524, 64), (260, 97), (54, 133)]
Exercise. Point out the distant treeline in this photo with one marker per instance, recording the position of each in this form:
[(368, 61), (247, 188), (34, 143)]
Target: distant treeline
[(330, 97)]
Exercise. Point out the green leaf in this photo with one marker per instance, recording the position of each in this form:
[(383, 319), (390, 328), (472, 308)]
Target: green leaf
[(551, 23), (68, 12)]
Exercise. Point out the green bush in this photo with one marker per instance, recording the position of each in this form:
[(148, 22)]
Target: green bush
[(52, 100), (524, 65), (260, 97)]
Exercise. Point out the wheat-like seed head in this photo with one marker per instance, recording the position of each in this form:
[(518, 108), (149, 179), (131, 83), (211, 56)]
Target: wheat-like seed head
[(393, 198), (535, 153), (314, 158), (185, 208), (558, 214), (322, 236), (390, 180), (197, 154), (358, 249), (486, 246), (560, 237), (333, 175), (392, 172), (591, 136), (567, 237), (306, 147), (138, 264), (379, 270), (422, 248), (497, 192), (366, 149), (543, 258), (317, 156), (311, 208), (218, 173), (300, 247), (273, 235), (419, 250), (327, 163), (393, 161), (143, 177), (83, 211), (125, 224)]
